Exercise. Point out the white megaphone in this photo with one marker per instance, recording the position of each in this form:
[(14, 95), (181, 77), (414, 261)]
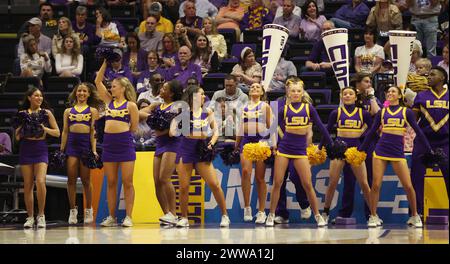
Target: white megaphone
[(335, 41), (401, 52)]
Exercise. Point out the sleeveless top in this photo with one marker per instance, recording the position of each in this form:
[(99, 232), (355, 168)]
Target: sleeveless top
[(118, 112), (83, 117)]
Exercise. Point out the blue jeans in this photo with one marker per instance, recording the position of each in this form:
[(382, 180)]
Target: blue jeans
[(426, 32), (339, 23)]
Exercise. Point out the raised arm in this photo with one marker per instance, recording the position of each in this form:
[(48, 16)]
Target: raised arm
[(102, 91)]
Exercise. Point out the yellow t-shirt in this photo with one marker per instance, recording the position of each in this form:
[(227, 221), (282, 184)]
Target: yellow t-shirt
[(164, 25)]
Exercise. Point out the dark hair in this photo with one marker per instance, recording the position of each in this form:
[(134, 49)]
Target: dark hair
[(401, 101), (141, 101), (196, 52), (373, 32), (358, 77), (92, 101), (135, 36), (442, 70), (45, 4), (230, 77), (188, 95), (105, 14), (192, 78), (305, 8), (357, 102), (177, 90), (26, 103), (242, 60)]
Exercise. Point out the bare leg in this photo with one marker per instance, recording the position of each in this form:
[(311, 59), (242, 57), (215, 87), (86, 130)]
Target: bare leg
[(360, 173), (304, 171), (247, 167), (167, 169), (402, 171), (28, 182), (280, 166), (260, 172), (72, 175), (111, 170), (208, 173), (185, 172), (335, 171), (379, 166), (127, 181), (85, 175), (40, 171), (158, 188)]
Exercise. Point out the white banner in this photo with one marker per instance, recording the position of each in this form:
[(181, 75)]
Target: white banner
[(335, 41), (274, 40), (401, 52)]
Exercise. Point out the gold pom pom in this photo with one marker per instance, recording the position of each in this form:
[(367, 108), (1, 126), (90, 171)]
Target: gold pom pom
[(355, 157), (316, 156), (256, 151)]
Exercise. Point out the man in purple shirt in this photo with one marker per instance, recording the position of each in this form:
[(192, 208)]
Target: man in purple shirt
[(85, 30), (318, 58), (185, 69), (351, 15)]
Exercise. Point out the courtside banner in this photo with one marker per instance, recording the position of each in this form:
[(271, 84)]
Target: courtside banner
[(335, 41), (274, 40), (401, 51)]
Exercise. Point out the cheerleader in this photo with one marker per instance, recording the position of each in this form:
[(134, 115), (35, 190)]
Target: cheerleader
[(297, 118), (188, 153), (393, 120), (351, 122), (78, 138), (256, 120), (431, 108), (165, 154), (33, 151), (121, 119)]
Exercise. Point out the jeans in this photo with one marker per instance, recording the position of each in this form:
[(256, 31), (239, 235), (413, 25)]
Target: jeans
[(427, 33), (339, 23)]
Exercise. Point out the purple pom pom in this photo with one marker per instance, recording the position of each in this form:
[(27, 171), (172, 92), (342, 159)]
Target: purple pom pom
[(106, 53), (57, 159), (99, 129), (336, 150), (160, 120), (91, 161), (31, 123), (229, 155), (435, 158), (270, 160), (205, 154)]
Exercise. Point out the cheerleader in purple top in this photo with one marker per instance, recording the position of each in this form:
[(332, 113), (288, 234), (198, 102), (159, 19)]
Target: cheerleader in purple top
[(121, 119), (165, 154), (33, 153), (298, 116), (431, 108), (393, 120), (351, 122), (188, 155), (255, 121), (78, 137)]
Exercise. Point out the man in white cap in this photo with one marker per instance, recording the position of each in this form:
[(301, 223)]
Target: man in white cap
[(163, 25), (204, 8), (151, 39), (34, 28), (49, 25)]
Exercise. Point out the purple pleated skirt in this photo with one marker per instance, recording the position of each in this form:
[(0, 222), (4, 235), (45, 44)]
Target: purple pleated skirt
[(33, 151), (165, 143), (118, 147), (187, 150), (77, 144), (390, 147), (292, 146)]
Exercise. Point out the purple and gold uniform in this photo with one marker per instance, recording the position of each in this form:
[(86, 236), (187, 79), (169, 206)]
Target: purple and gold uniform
[(257, 114), (393, 119), (33, 151), (187, 148), (165, 143), (433, 111), (78, 143), (298, 116), (118, 147)]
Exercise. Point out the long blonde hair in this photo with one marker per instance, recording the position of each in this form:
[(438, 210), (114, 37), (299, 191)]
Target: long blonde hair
[(130, 93), (213, 25), (295, 80)]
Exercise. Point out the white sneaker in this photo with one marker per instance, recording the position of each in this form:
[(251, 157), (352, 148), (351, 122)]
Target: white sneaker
[(260, 218), (248, 214), (415, 221), (41, 221), (320, 221), (379, 221), (225, 222), (325, 217), (73, 217), (373, 221), (270, 219), (109, 221), (169, 218), (281, 220), (88, 216), (127, 222), (305, 213), (183, 222), (29, 223)]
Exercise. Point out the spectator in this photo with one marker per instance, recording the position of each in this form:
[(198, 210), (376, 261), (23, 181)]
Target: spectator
[(204, 56), (151, 39), (152, 89), (144, 135), (136, 57), (226, 120), (444, 63), (185, 69), (110, 32), (288, 19), (44, 42), (204, 8), (33, 63), (116, 69), (320, 4), (181, 35), (170, 50), (417, 53), (311, 23), (256, 17), (216, 40), (230, 17), (296, 10), (318, 59), (383, 17), (368, 58), (247, 71), (144, 80), (283, 70), (351, 15), (425, 19), (85, 30), (69, 62), (64, 29), (386, 67), (163, 25), (236, 99), (192, 23), (49, 25), (401, 4), (5, 144)]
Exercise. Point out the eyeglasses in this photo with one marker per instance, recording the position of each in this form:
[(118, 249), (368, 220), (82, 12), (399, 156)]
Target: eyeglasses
[(158, 80)]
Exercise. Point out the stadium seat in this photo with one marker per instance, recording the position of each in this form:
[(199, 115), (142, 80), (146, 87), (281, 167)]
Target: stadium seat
[(299, 49), (17, 84), (228, 64), (214, 81), (5, 116), (313, 80), (230, 37), (320, 96), (356, 35), (299, 62), (60, 11), (253, 36), (324, 111), (332, 6), (61, 84), (11, 100), (122, 11), (57, 99), (129, 23)]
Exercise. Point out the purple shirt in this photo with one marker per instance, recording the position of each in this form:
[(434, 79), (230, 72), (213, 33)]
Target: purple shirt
[(143, 81), (141, 64), (5, 141), (111, 74), (433, 110), (318, 53), (177, 73), (292, 23), (256, 18), (356, 16), (89, 31)]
